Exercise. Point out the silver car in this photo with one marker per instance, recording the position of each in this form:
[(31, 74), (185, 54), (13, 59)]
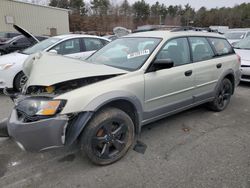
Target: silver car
[(132, 81)]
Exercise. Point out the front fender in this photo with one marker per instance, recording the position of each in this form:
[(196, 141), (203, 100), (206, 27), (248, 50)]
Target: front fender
[(83, 118)]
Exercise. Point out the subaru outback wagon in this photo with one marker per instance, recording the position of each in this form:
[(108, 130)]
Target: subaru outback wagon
[(137, 79)]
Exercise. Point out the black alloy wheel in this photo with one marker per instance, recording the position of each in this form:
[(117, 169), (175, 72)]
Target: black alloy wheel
[(108, 136), (223, 96)]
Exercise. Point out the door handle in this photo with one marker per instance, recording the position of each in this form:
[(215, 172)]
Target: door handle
[(219, 66), (188, 73)]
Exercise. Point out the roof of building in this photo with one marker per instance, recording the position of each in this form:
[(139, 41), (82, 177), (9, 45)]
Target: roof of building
[(44, 6)]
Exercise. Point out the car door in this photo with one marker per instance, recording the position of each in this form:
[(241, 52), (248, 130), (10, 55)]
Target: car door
[(206, 68), (90, 46), (168, 90), (71, 48)]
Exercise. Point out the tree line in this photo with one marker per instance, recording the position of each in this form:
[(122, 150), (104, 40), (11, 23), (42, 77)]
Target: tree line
[(103, 15)]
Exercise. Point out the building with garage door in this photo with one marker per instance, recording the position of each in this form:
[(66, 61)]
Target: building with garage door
[(37, 19)]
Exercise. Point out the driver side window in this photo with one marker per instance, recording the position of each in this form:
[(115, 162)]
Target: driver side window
[(177, 50), (68, 47)]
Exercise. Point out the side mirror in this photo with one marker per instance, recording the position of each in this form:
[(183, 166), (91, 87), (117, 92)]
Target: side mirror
[(53, 51), (159, 64)]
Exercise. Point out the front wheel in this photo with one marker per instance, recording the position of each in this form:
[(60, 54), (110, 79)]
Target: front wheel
[(223, 96), (19, 81), (108, 136)]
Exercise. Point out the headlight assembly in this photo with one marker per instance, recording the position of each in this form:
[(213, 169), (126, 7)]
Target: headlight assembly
[(40, 107), (6, 66)]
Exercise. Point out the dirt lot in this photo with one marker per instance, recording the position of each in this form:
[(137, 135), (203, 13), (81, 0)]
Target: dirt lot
[(197, 148)]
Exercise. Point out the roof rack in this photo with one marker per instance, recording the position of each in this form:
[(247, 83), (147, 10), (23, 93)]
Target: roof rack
[(190, 28)]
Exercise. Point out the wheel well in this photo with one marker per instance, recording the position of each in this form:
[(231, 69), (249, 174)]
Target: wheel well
[(128, 108), (16, 77), (232, 80)]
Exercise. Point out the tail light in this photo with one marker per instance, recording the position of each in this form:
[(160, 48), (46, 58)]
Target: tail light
[(239, 59)]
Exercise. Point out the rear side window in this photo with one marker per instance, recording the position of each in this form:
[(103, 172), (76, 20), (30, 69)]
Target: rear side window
[(70, 46), (201, 49), (92, 44), (104, 42), (221, 46)]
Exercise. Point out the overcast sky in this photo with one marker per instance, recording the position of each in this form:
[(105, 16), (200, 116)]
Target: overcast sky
[(199, 3), (194, 3)]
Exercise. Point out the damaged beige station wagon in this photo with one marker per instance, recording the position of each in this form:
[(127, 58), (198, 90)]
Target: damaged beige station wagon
[(103, 103)]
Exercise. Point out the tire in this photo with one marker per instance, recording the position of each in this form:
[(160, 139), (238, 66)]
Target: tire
[(223, 96), (108, 136), (19, 81)]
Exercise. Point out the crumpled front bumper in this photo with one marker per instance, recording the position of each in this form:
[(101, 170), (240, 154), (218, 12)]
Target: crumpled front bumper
[(39, 135)]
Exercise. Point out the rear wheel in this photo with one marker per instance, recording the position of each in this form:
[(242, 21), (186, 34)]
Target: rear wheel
[(108, 136), (223, 96), (19, 81)]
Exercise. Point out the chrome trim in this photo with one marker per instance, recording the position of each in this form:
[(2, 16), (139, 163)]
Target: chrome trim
[(207, 83)]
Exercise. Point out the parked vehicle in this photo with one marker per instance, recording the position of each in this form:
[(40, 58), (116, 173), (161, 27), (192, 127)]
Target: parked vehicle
[(4, 36), (73, 45), (132, 81), (235, 35), (242, 48), (17, 43)]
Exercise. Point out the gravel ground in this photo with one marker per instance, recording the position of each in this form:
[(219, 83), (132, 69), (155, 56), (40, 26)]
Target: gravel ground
[(196, 148)]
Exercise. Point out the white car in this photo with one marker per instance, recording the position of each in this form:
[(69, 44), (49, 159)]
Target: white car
[(71, 45), (242, 48)]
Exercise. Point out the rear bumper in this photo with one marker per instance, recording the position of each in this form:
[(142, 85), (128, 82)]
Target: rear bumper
[(39, 135)]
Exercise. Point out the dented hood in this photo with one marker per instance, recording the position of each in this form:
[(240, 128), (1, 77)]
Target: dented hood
[(48, 69)]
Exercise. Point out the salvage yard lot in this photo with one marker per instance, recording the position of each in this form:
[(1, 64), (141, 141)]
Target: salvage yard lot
[(196, 148)]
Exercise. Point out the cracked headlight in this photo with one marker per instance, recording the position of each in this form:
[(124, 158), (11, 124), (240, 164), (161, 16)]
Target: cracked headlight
[(6, 66), (40, 107)]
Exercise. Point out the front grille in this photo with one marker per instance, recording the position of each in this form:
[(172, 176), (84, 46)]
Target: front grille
[(245, 77), (245, 65)]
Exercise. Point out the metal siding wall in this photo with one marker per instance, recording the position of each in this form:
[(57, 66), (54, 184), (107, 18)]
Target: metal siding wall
[(36, 19)]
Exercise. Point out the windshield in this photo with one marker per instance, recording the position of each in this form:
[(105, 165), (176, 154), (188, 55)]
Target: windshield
[(125, 53), (235, 35), (41, 46), (243, 44)]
